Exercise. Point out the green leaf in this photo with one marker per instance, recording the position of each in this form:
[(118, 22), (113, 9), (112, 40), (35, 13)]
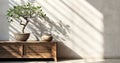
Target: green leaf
[(26, 10)]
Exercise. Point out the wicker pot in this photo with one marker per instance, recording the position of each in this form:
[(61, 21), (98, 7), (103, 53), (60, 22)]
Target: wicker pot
[(22, 36), (46, 37)]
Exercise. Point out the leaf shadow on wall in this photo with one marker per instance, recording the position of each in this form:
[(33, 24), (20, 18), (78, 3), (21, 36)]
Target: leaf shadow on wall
[(58, 30)]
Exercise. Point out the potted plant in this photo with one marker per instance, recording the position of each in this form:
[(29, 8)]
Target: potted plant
[(25, 11)]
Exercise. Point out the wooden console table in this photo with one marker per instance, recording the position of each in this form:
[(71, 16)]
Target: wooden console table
[(28, 49)]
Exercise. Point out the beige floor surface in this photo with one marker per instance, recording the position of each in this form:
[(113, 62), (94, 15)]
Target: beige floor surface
[(70, 61)]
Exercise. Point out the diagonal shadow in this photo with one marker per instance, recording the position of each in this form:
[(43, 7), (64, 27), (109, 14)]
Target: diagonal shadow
[(60, 29), (36, 53), (81, 16), (13, 49), (42, 28), (84, 40), (4, 53), (63, 51), (69, 20)]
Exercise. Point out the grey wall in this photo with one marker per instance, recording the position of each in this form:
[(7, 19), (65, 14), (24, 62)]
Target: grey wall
[(111, 11), (4, 35)]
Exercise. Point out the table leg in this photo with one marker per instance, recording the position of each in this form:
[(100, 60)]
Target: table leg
[(54, 52), (21, 50)]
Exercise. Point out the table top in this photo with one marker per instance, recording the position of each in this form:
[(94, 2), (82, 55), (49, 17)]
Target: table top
[(25, 42)]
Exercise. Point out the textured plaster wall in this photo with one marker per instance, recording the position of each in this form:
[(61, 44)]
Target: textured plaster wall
[(111, 11), (86, 29), (4, 35)]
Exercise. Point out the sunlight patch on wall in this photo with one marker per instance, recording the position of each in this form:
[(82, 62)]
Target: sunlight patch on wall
[(86, 25), (75, 23)]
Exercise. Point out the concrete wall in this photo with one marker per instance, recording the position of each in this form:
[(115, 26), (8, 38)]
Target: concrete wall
[(4, 35), (86, 29), (110, 9)]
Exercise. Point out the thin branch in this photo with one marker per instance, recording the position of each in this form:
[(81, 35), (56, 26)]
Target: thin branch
[(21, 23)]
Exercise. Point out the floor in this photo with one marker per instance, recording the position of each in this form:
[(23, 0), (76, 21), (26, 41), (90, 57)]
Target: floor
[(70, 61)]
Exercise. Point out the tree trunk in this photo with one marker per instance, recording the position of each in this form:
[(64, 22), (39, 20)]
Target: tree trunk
[(24, 26)]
